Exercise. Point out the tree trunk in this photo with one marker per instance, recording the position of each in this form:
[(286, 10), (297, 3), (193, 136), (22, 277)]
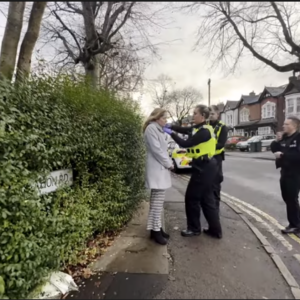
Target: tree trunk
[(92, 71), (29, 40), (11, 39)]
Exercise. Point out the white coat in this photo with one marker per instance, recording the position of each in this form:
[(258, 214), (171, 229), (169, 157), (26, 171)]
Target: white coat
[(158, 161)]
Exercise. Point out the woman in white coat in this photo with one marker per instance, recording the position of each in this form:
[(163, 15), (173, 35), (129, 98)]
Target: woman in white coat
[(158, 177)]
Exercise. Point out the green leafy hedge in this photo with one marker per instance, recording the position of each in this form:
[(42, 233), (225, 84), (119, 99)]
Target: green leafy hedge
[(51, 124)]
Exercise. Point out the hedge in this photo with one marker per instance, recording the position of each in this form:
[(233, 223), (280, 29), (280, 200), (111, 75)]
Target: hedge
[(51, 124)]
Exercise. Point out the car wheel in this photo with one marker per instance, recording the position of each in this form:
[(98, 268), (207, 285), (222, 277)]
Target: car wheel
[(175, 170), (243, 150)]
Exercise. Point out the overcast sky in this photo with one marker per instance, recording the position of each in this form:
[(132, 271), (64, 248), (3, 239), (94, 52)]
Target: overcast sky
[(188, 67)]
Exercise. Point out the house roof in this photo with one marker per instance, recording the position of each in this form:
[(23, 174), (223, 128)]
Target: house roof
[(292, 87), (231, 104), (267, 121), (275, 91), (250, 99), (247, 124), (221, 107)]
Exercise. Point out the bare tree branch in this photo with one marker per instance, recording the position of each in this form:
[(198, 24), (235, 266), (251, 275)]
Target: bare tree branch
[(269, 31)]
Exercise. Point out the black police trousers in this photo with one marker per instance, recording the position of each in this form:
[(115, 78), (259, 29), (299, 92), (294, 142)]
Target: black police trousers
[(290, 187), (199, 194), (218, 181)]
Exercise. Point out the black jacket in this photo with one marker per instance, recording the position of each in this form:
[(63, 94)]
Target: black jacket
[(201, 136), (289, 162)]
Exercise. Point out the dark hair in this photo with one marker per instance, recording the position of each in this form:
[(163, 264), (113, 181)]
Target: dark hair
[(295, 120), (203, 110), (215, 108)]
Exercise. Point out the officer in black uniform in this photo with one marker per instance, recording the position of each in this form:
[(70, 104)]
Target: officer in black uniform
[(201, 147), (221, 133), (287, 152)]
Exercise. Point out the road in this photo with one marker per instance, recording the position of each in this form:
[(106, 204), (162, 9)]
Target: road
[(252, 185)]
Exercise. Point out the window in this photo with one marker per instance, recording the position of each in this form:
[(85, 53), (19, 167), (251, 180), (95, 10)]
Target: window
[(268, 110), (290, 106), (239, 132), (264, 130), (244, 115), (293, 105), (229, 119)]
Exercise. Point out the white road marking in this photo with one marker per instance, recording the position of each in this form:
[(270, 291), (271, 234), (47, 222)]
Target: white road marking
[(255, 209), (268, 227)]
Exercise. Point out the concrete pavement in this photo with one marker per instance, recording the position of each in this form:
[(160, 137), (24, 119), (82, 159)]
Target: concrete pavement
[(198, 268), (204, 268)]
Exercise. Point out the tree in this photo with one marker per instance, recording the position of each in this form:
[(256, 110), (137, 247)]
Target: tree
[(159, 89), (11, 39), (267, 30), (181, 102), (94, 33), (178, 102), (30, 39)]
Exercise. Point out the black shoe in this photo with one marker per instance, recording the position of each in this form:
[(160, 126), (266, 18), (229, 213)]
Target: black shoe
[(189, 233), (164, 234), (213, 234), (290, 229), (158, 237)]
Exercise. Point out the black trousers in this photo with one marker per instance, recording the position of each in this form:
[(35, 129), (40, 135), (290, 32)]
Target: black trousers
[(199, 194), (290, 186), (218, 181)]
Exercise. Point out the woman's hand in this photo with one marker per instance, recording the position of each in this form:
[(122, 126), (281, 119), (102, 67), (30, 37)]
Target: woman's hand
[(171, 168), (167, 130)]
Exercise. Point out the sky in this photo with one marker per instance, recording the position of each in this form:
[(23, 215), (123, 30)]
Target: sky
[(191, 68)]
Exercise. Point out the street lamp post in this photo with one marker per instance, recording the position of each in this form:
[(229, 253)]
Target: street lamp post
[(208, 83)]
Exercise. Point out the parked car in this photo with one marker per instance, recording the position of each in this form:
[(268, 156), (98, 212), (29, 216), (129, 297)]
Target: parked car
[(265, 140), (179, 158), (236, 139)]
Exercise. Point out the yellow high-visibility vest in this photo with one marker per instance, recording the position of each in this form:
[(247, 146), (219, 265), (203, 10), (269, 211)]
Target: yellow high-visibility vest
[(219, 128), (207, 148)]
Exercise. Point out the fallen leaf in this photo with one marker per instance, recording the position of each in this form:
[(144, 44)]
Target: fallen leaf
[(87, 273)]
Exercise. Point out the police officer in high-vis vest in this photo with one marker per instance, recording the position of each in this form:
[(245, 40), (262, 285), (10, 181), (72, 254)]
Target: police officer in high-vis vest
[(221, 134), (201, 146)]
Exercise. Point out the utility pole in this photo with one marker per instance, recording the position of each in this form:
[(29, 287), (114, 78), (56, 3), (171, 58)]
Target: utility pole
[(209, 91)]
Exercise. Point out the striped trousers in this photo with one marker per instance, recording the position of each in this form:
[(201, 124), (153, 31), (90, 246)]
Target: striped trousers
[(157, 200)]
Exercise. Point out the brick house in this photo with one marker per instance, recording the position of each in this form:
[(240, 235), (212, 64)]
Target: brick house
[(249, 114), (272, 110)]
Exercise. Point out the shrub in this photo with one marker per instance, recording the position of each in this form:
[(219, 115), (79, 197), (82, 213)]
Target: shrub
[(51, 124)]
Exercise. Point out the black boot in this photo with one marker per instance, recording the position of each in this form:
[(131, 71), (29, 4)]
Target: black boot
[(158, 237), (290, 229), (189, 233), (164, 234), (217, 235)]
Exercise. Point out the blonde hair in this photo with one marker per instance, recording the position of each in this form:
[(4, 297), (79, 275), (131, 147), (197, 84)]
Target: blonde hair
[(156, 114)]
